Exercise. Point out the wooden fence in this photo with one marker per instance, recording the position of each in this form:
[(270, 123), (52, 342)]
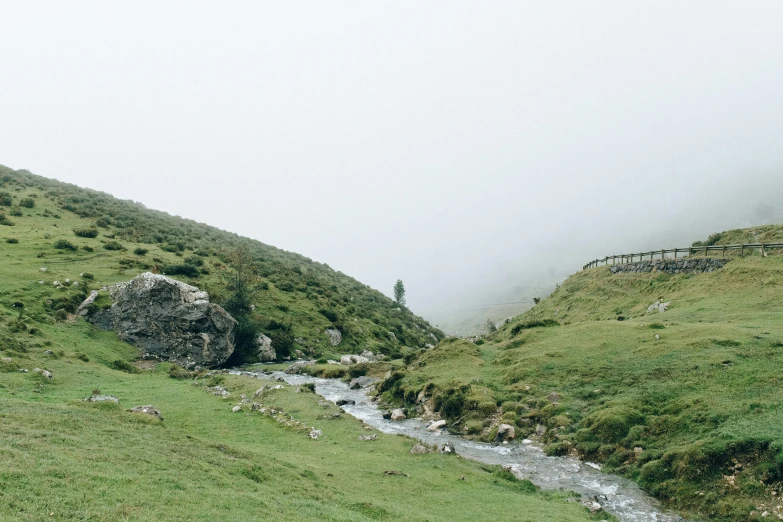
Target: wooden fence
[(689, 252)]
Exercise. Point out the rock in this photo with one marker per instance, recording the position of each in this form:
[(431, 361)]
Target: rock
[(334, 335), (265, 351), (437, 425), (347, 360), (638, 451), (221, 392), (314, 433), (386, 414), (553, 397), (368, 437), (168, 320), (6, 359), (82, 310), (149, 409), (258, 392), (419, 449), (506, 432), (330, 361), (540, 430), (397, 414), (236, 408), (392, 472), (102, 398), (448, 449), (343, 402), (255, 407), (48, 352), (298, 366), (45, 373), (363, 382)]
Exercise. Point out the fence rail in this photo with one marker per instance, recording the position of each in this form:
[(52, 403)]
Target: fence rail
[(690, 252)]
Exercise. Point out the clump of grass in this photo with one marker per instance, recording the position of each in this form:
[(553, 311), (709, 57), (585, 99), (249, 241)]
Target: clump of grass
[(656, 326), (12, 240)]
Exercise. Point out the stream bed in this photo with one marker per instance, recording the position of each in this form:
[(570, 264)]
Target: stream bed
[(527, 460)]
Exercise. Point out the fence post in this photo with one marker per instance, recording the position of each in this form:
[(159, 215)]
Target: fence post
[(724, 251), (763, 254), (742, 250), (675, 254), (690, 251)]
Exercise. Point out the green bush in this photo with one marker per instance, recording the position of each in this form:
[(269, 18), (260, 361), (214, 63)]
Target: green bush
[(6, 200), (5, 221), (140, 251), (16, 212), (27, 203), (185, 270), (533, 324), (86, 232), (657, 326), (113, 245), (88, 276), (63, 244), (12, 240), (124, 366)]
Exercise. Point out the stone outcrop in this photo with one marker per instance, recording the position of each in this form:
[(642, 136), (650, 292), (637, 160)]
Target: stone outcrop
[(350, 359), (334, 335), (672, 266), (266, 353), (168, 320)]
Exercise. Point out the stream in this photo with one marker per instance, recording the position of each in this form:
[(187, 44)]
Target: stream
[(527, 460)]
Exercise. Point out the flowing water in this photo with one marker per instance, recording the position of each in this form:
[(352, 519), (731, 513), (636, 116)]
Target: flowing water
[(527, 460)]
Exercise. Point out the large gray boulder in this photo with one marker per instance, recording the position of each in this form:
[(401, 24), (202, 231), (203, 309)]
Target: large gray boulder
[(168, 320)]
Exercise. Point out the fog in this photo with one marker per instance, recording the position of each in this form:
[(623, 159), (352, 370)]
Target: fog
[(478, 151)]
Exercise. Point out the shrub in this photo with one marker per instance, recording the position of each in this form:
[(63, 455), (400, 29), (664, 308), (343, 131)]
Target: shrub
[(5, 221), (83, 357), (6, 200), (140, 251), (16, 211), (63, 244), (103, 222), (12, 240), (310, 386), (124, 366), (113, 245), (88, 276), (86, 232), (329, 314), (88, 248), (656, 326), (185, 270), (27, 203)]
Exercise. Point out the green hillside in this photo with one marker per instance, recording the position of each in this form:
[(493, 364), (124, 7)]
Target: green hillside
[(66, 459), (688, 402), (94, 239)]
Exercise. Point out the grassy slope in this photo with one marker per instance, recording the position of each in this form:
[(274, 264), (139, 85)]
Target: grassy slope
[(703, 401), (296, 289), (63, 459)]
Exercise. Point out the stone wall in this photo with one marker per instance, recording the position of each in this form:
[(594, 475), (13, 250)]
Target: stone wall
[(671, 266)]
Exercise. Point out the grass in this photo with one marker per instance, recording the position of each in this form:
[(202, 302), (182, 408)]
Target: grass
[(64, 459), (688, 402)]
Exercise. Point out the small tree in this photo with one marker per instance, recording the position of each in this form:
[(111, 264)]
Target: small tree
[(399, 292), (242, 281)]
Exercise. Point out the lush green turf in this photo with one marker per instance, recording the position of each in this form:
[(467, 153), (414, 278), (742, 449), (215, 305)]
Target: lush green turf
[(688, 402), (296, 298), (63, 459)]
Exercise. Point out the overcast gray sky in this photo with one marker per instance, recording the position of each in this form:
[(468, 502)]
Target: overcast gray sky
[(459, 146)]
